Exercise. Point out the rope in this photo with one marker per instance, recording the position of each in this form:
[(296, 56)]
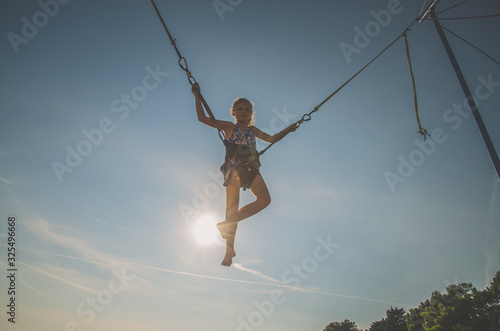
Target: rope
[(422, 10), (476, 48), (421, 130), (468, 17), (445, 8), (184, 66), (308, 116)]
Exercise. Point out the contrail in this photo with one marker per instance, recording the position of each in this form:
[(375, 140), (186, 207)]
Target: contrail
[(269, 280), (257, 273), (143, 266), (97, 220), (293, 288), (205, 276), (348, 296)]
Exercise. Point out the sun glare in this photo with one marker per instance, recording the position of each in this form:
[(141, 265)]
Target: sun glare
[(205, 230)]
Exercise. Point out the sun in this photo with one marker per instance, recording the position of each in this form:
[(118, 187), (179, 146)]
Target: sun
[(205, 231)]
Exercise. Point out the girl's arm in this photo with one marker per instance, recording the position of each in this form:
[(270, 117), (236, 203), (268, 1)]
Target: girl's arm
[(200, 112), (274, 138)]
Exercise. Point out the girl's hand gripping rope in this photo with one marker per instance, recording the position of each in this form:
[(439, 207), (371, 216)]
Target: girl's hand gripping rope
[(195, 88)]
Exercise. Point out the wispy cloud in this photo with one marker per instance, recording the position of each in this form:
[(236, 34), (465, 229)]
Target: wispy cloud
[(46, 230), (20, 278), (163, 244), (41, 253), (6, 181), (58, 278), (125, 229), (97, 220), (143, 274), (133, 267), (109, 224), (42, 228), (105, 260), (51, 232)]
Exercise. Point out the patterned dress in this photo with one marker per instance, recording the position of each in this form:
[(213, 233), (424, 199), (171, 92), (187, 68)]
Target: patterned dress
[(242, 156), (243, 137)]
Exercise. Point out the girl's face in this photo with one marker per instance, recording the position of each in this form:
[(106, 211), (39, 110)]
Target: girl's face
[(242, 111)]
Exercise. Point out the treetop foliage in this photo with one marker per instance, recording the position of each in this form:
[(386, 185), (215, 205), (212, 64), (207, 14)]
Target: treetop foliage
[(461, 308)]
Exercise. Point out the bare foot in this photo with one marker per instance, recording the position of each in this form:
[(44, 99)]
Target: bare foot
[(228, 258), (222, 227), (226, 229)]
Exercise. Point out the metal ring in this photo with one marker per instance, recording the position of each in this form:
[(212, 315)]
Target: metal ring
[(191, 80), (185, 68), (306, 118)]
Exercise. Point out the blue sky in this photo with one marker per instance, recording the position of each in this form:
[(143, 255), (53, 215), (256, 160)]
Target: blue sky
[(106, 241)]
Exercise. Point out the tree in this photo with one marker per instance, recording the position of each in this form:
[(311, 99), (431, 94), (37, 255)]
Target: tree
[(395, 321), (462, 308), (378, 326), (444, 311), (491, 297), (345, 325)]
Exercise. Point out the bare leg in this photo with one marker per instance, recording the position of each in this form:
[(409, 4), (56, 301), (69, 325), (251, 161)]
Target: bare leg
[(230, 253), (262, 199), (229, 226), (233, 215)]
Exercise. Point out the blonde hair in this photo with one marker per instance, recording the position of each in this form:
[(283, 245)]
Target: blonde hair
[(240, 100)]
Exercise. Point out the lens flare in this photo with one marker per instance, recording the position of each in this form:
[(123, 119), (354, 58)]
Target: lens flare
[(205, 230)]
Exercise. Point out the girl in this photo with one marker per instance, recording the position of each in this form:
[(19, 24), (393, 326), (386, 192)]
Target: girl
[(241, 167)]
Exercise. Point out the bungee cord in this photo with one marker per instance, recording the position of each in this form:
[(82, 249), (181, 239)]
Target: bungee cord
[(308, 116), (184, 66)]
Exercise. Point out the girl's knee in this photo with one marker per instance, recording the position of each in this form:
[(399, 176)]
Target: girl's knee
[(265, 200)]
